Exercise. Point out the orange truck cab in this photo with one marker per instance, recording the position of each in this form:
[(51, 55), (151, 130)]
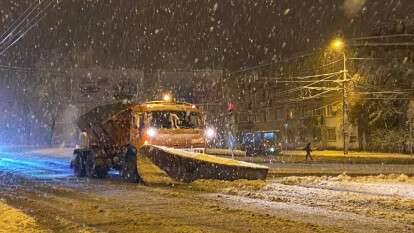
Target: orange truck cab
[(171, 124)]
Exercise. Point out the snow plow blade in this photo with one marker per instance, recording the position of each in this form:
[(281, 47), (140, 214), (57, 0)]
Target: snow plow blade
[(189, 166), (225, 152)]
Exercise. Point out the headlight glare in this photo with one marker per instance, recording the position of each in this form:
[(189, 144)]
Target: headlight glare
[(151, 132), (210, 133)]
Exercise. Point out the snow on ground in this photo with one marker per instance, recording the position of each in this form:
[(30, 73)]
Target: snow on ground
[(369, 204), (386, 185), (54, 152), (37, 163), (14, 220)]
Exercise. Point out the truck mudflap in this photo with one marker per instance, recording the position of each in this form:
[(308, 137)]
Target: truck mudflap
[(189, 166)]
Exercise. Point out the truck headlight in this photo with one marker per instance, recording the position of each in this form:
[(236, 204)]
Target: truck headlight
[(151, 132), (210, 133)]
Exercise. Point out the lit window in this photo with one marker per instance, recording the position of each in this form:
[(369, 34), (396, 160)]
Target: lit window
[(331, 134)]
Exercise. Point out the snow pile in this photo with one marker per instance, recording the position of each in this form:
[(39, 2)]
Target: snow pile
[(151, 174), (297, 180), (305, 180), (14, 220), (342, 177), (402, 178), (391, 178), (230, 187)]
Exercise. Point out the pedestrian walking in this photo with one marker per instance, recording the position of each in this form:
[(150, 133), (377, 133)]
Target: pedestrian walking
[(308, 150)]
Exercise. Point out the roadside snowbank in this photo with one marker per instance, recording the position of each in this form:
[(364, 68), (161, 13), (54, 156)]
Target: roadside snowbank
[(395, 185), (383, 203), (14, 220), (304, 180)]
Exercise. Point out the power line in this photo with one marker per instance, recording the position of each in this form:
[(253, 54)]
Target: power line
[(383, 36), (23, 33), (324, 106), (29, 25), (374, 58), (274, 63), (380, 44), (314, 76), (385, 98), (324, 88), (398, 92), (301, 81), (32, 22), (303, 87), (300, 99), (29, 70), (282, 79), (17, 22)]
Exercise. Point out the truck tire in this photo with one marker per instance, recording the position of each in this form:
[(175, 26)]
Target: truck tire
[(95, 166), (100, 168), (129, 170), (78, 164)]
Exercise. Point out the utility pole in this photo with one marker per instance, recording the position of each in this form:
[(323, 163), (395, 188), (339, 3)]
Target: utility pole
[(410, 116), (339, 46), (411, 135), (345, 106)]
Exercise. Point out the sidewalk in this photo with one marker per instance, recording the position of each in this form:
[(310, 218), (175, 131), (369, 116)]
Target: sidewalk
[(331, 156)]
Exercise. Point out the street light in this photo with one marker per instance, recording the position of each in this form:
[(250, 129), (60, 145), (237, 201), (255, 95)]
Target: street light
[(338, 45)]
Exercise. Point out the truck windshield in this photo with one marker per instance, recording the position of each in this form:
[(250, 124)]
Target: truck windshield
[(175, 119)]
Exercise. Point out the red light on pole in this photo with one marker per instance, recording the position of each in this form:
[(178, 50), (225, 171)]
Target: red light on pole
[(230, 106)]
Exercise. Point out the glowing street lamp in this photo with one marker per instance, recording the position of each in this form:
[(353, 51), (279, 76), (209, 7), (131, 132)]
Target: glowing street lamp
[(338, 45)]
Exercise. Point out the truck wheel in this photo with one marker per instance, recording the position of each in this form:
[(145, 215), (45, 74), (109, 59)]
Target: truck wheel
[(100, 168), (78, 164), (129, 169), (95, 166), (89, 161)]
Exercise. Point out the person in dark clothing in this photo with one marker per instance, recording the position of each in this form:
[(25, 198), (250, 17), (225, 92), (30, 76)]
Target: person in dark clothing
[(308, 150)]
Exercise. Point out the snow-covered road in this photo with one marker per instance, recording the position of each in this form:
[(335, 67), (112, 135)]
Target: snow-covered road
[(358, 204), (32, 178), (39, 164)]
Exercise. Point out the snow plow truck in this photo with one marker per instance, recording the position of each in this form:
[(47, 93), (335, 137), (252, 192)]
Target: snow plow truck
[(171, 134)]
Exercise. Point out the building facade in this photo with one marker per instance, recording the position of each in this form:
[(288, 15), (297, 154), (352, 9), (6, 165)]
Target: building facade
[(264, 103)]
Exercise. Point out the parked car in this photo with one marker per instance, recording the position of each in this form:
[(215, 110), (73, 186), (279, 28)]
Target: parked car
[(261, 143)]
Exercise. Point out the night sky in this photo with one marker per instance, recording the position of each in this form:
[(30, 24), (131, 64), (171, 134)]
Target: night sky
[(191, 34)]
